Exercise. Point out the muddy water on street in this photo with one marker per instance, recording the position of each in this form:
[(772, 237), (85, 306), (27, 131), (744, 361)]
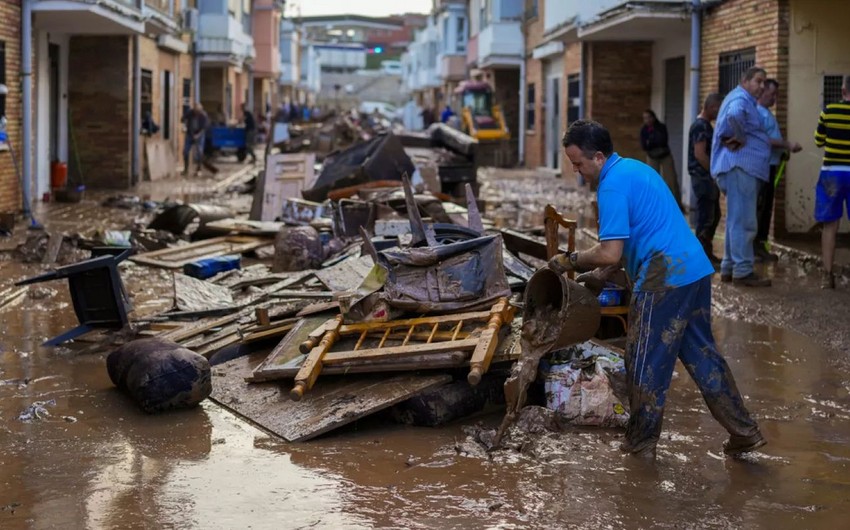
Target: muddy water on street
[(97, 462)]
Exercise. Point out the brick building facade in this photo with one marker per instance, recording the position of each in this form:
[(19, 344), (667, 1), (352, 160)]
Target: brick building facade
[(10, 68), (742, 33)]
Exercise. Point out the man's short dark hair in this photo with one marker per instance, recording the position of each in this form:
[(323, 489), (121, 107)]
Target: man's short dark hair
[(712, 99), (771, 82), (752, 72), (590, 137)]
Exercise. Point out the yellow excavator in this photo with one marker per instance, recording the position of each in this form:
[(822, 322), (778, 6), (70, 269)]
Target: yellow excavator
[(480, 117), (483, 120)]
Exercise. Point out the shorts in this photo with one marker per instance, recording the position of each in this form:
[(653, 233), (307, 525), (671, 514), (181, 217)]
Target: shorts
[(832, 193)]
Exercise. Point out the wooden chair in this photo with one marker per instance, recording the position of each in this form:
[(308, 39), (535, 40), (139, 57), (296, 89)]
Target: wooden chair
[(551, 221)]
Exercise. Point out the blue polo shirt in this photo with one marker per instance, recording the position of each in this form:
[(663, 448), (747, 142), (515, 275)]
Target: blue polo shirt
[(635, 205)]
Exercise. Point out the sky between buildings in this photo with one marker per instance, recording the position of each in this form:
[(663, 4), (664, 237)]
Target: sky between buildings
[(374, 8)]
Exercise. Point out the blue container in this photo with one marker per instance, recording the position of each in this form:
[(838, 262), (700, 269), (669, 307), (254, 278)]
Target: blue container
[(611, 295), (209, 267), (228, 137)]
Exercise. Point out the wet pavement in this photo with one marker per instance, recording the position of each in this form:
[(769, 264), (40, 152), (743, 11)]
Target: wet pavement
[(96, 461)]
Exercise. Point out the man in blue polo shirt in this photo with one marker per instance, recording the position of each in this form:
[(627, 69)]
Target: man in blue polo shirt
[(670, 311)]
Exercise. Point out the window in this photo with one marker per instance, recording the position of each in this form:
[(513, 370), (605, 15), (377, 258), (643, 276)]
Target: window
[(147, 93), (732, 67), (573, 97), (832, 89), (530, 9), (461, 34), (187, 95), (529, 108), (484, 15), (3, 76)]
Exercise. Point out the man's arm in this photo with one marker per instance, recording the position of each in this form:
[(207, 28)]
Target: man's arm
[(820, 132), (604, 254), (701, 154)]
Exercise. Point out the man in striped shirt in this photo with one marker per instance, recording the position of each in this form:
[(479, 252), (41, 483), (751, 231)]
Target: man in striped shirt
[(740, 151), (833, 188)]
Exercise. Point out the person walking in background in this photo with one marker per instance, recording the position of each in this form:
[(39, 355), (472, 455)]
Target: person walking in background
[(706, 192), (740, 150), (250, 132), (833, 188), (654, 140), (779, 146), (446, 114), (197, 123)]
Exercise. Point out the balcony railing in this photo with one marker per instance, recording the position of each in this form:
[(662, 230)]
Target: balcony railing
[(500, 41)]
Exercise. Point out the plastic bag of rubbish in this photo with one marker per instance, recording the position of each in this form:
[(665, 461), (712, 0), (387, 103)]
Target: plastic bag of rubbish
[(160, 374), (117, 238), (581, 393)]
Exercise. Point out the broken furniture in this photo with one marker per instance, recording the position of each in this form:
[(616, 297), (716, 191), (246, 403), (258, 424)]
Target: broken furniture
[(285, 177), (190, 219), (381, 158), (97, 293), (453, 338)]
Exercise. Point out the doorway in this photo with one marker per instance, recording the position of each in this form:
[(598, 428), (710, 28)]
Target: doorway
[(53, 111), (167, 84), (674, 110)]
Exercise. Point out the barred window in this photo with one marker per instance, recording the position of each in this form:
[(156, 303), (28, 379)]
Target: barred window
[(732, 67), (832, 89), (529, 108), (573, 97)]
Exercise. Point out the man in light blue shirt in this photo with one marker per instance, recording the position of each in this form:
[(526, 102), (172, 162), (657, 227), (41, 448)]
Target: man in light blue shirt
[(778, 146), (670, 308), (740, 151)]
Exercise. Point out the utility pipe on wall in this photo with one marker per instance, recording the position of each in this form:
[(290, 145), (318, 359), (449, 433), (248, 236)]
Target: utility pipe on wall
[(696, 44), (136, 126), (26, 103), (522, 97)]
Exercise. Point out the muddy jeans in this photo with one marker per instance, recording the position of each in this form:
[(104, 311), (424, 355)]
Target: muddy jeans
[(664, 326)]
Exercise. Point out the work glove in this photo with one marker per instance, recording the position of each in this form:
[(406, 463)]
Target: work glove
[(561, 263), (592, 281)]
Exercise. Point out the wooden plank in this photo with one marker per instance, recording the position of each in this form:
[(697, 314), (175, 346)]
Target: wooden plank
[(196, 328), (346, 275), (334, 402), (176, 257), (288, 348), (400, 351), (407, 364), (54, 244)]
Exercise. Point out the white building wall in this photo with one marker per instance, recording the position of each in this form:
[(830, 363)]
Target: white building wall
[(43, 133)]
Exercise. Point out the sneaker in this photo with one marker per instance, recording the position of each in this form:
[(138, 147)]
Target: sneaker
[(737, 445), (827, 280), (752, 280), (726, 278)]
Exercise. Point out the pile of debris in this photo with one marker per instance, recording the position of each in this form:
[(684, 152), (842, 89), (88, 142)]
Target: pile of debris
[(357, 283)]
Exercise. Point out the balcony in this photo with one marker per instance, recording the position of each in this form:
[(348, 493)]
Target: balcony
[(222, 40), (472, 51), (500, 44), (452, 67), (628, 22), (106, 17), (427, 78)]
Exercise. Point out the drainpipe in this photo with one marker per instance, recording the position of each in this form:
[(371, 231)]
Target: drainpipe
[(26, 87), (137, 111), (522, 98), (696, 44)]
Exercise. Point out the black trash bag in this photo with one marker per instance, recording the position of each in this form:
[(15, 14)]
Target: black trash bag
[(160, 374)]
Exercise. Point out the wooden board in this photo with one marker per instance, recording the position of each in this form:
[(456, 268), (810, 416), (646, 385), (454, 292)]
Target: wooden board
[(287, 349), (160, 159), (245, 227), (176, 257), (332, 403), (346, 275)]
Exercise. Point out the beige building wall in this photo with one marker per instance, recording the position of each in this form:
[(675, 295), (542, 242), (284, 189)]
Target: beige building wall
[(817, 46)]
